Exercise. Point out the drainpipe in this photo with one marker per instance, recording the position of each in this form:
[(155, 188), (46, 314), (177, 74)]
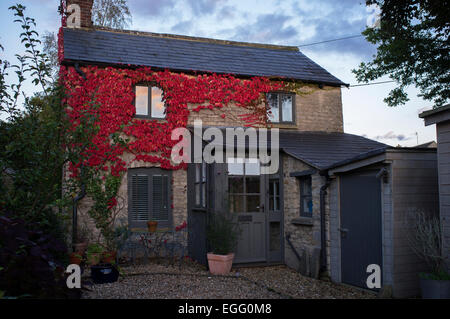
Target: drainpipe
[(77, 198), (323, 246)]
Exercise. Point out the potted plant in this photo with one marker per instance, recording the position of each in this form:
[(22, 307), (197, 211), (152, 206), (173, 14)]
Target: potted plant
[(94, 254), (104, 273), (82, 242), (152, 226), (426, 242), (222, 235), (115, 243), (75, 258)]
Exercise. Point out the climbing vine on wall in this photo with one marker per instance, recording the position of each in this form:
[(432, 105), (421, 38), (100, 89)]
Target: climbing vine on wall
[(100, 101)]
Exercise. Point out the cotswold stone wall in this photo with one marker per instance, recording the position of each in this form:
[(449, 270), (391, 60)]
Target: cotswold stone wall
[(316, 110), (304, 231)]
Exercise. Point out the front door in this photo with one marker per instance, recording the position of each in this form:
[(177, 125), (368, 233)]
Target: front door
[(246, 187), (360, 195)]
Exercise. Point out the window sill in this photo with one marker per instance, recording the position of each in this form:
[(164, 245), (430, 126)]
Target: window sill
[(284, 125), (144, 117), (303, 221)]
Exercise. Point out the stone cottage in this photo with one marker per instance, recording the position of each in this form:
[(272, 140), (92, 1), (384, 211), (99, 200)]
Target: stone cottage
[(334, 205)]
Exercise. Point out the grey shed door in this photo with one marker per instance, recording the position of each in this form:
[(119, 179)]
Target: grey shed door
[(360, 195)]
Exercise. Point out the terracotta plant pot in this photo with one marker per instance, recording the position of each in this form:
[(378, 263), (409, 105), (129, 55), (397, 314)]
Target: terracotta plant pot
[(94, 258), (109, 257), (75, 258), (152, 225), (220, 264), (80, 248)]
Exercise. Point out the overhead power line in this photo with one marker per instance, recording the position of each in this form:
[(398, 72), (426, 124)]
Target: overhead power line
[(332, 40), (373, 83)]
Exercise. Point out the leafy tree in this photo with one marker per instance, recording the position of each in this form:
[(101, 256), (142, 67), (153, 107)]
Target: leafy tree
[(31, 156), (111, 13), (413, 49)]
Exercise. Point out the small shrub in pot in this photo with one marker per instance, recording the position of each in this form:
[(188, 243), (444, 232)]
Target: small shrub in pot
[(426, 241), (222, 234)]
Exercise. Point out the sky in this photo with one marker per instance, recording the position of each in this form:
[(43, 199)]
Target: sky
[(283, 22)]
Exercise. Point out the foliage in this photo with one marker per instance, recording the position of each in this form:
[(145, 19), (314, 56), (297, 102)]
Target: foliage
[(94, 249), (31, 261), (31, 156), (50, 48), (413, 49), (111, 13), (425, 238), (222, 234)]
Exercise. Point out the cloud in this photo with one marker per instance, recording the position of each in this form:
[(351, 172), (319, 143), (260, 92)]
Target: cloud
[(268, 28), (335, 19), (150, 7), (203, 7), (392, 136), (183, 27)]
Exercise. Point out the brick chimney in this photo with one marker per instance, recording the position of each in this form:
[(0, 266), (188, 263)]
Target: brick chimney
[(85, 11)]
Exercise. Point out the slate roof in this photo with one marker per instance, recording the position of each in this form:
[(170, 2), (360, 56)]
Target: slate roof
[(323, 150), (181, 53)]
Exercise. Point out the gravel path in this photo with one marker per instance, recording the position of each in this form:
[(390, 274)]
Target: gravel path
[(192, 281)]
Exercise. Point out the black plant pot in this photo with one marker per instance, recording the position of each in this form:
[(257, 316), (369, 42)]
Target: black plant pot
[(104, 273), (435, 289)]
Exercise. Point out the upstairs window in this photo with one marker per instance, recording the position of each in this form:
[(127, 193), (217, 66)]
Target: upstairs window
[(149, 103), (281, 107)]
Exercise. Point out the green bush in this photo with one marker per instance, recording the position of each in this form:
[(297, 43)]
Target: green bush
[(222, 234)]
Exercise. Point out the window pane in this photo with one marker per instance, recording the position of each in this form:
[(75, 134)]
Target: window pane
[(204, 194), (252, 185), (236, 184), (272, 99), (252, 167), (252, 203), (286, 108), (306, 186), (197, 172), (158, 108), (307, 205), (236, 203), (197, 194), (275, 243), (203, 172), (141, 100), (274, 187), (235, 166)]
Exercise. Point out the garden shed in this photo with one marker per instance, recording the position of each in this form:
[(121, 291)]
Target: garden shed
[(370, 199)]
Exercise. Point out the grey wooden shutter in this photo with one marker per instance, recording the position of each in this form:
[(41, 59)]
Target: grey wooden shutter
[(139, 199), (160, 198)]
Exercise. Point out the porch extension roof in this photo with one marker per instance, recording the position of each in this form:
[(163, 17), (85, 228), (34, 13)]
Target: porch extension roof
[(320, 150), (187, 54), (323, 150)]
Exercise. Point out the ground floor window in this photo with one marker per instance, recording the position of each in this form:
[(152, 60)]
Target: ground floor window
[(148, 197), (306, 203)]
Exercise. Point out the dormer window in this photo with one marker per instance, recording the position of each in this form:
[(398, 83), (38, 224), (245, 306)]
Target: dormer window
[(149, 103), (281, 107)]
